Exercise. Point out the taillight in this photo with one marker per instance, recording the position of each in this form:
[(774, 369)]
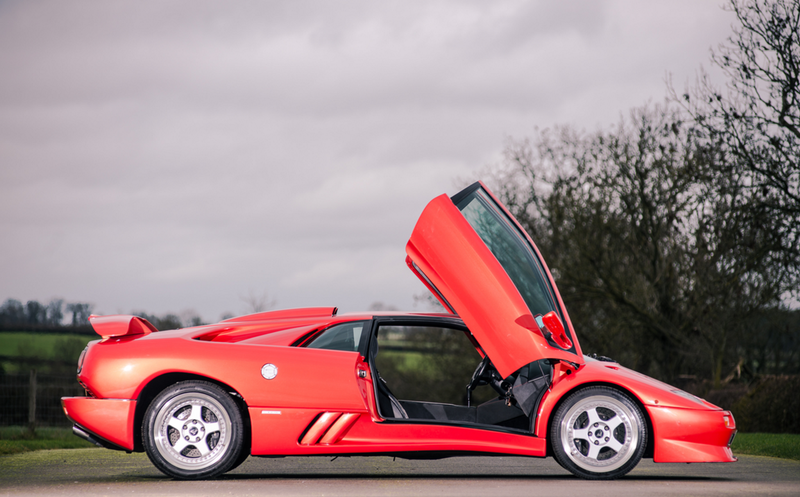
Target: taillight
[(727, 418), (81, 358)]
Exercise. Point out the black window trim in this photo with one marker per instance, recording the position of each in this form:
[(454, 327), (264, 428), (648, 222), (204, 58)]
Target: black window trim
[(433, 288)]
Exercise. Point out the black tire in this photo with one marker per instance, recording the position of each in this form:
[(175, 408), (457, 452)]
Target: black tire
[(242, 458), (598, 433), (193, 430), (244, 453)]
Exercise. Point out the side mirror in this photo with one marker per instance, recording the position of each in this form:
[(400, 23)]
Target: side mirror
[(553, 329)]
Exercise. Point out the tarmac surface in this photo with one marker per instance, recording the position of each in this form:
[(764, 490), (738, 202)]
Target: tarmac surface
[(88, 472)]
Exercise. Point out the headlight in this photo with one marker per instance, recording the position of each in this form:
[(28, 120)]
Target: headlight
[(687, 395)]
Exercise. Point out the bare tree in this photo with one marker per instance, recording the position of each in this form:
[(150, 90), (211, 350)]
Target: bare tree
[(190, 317), (35, 312), (378, 306), (652, 265), (12, 312), (55, 313), (80, 312), (258, 302), (754, 121), (428, 302), (675, 234)]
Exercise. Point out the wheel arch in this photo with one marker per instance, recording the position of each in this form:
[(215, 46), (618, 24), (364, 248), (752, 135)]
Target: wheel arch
[(649, 448), (157, 385)]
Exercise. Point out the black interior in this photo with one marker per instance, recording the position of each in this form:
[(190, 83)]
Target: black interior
[(514, 407), (388, 405)]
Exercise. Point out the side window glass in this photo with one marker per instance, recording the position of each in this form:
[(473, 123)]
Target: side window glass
[(510, 250), (346, 337)]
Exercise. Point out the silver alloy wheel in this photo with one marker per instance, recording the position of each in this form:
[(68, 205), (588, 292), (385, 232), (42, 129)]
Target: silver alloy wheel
[(599, 433), (192, 431)]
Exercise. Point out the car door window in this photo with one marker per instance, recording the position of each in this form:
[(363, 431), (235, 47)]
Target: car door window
[(510, 249), (346, 337)]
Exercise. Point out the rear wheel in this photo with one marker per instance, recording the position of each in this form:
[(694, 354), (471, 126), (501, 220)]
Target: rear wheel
[(598, 433), (193, 430)]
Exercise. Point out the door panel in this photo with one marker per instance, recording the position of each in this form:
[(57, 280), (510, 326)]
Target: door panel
[(454, 259)]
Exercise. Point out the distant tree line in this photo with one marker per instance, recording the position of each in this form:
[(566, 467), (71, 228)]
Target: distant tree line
[(35, 316), (674, 236), (171, 321)]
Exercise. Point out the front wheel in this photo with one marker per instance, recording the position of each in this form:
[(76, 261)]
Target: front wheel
[(193, 430), (598, 433)]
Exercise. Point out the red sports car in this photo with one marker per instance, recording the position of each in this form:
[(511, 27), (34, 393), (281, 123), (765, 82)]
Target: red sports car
[(312, 382)]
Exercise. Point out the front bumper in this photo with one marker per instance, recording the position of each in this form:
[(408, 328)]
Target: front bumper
[(107, 422), (692, 435)]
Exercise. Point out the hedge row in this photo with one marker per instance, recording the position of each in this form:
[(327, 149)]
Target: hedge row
[(770, 404)]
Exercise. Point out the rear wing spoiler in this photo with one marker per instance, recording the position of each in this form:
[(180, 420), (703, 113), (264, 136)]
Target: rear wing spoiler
[(119, 325)]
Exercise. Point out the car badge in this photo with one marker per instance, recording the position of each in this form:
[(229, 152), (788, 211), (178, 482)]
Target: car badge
[(269, 371)]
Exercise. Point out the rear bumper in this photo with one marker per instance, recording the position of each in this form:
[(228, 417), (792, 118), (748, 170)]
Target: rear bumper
[(80, 431), (105, 422), (689, 435)]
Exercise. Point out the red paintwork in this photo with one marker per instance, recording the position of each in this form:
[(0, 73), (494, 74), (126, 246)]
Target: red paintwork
[(556, 330), (690, 435), (685, 428), (323, 401), (452, 256), (282, 436), (303, 312), (111, 419), (308, 378), (339, 428), (319, 428), (120, 325), (368, 436)]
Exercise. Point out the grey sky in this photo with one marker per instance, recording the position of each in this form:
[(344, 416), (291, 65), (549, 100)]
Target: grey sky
[(174, 155)]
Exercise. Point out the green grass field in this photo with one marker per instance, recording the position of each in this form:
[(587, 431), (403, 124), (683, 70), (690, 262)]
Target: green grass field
[(41, 346), (16, 439), (783, 445)]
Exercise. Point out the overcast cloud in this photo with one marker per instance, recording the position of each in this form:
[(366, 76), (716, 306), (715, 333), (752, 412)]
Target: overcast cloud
[(174, 155)]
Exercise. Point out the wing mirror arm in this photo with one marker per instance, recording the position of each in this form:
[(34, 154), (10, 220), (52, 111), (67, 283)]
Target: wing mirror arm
[(543, 328)]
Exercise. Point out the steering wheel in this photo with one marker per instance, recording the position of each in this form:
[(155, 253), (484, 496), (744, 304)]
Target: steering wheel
[(478, 375)]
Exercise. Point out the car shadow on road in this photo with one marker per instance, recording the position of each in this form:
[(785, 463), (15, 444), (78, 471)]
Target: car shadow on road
[(439, 476)]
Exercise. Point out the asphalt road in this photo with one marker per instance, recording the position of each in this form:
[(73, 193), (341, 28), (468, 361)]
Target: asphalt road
[(85, 472)]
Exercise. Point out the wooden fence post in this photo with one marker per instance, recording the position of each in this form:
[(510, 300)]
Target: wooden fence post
[(32, 402)]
